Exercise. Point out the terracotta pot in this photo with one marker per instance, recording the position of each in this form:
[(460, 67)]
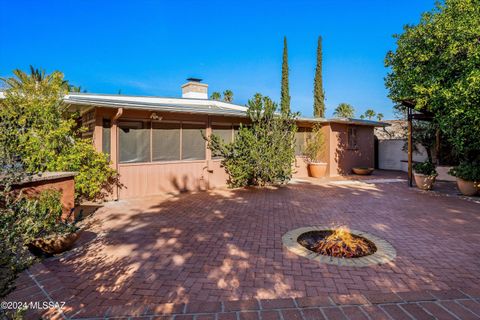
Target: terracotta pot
[(362, 171), (467, 188), (317, 169), (56, 243), (424, 182)]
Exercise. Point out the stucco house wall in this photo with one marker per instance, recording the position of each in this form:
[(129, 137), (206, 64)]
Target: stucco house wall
[(343, 156), (150, 178)]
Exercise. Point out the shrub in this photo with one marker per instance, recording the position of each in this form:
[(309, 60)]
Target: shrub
[(263, 152), (39, 132), (427, 168), (23, 219), (315, 147), (466, 171)]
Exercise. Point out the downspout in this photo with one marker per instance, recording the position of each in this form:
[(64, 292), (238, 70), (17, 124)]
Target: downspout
[(114, 123)]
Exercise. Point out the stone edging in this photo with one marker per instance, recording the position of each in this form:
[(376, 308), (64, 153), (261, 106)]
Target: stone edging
[(384, 254)]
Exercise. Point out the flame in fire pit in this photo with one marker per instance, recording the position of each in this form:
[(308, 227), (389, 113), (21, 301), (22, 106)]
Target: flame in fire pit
[(341, 243)]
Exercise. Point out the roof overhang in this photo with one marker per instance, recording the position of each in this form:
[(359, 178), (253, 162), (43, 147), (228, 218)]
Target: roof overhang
[(85, 101)]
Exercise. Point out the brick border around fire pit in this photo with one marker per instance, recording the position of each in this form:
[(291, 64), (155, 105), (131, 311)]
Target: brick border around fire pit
[(385, 252)]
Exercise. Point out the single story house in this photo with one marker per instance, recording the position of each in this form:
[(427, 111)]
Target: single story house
[(156, 144)]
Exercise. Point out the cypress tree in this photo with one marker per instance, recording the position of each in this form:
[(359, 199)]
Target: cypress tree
[(318, 93), (285, 92)]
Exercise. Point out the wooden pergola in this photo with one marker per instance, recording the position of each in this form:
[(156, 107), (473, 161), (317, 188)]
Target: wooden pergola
[(413, 114)]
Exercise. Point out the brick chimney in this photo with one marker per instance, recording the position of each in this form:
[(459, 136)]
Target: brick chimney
[(195, 89)]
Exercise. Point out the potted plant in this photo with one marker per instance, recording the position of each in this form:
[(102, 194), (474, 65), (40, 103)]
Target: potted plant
[(363, 171), (49, 232), (315, 153), (468, 177), (425, 174)]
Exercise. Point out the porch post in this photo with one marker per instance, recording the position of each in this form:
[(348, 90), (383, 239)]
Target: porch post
[(437, 147), (114, 145), (410, 147)]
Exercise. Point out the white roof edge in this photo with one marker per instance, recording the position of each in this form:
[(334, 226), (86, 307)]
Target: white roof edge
[(160, 100), (99, 98)]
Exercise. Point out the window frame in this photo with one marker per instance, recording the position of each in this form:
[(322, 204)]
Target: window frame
[(150, 123), (352, 133)]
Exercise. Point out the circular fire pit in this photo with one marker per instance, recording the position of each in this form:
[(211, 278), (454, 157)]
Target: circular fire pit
[(339, 246)]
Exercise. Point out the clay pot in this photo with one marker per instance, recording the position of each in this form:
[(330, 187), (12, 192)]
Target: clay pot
[(317, 169), (424, 182), (362, 171), (55, 243), (467, 188)]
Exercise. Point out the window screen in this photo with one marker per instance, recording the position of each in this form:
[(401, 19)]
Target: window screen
[(300, 141), (106, 137), (193, 144), (225, 132), (165, 141), (134, 142)]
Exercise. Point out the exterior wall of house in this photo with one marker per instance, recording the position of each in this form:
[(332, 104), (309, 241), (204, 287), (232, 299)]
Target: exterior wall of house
[(150, 178), (346, 152)]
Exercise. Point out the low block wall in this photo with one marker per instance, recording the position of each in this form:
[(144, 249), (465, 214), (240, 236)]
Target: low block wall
[(61, 181)]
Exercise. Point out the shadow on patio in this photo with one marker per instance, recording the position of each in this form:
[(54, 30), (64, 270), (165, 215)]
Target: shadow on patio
[(226, 245)]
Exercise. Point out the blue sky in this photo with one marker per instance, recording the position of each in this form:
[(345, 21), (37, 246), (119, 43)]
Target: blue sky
[(151, 47)]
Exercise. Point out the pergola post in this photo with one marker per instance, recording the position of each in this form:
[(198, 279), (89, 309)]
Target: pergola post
[(410, 147)]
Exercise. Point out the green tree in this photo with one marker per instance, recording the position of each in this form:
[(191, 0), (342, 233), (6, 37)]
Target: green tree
[(228, 96), (40, 134), (344, 110), (72, 88), (263, 152), (369, 114), (285, 91), (380, 116), (215, 96), (436, 68), (318, 93)]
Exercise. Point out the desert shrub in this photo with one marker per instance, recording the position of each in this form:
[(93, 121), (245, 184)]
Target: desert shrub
[(23, 219), (95, 178), (262, 153), (466, 171), (315, 147), (41, 134), (427, 168)]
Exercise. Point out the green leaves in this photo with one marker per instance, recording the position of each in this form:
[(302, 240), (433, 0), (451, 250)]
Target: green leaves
[(37, 132), (467, 171), (315, 148), (262, 153), (318, 93), (344, 110), (437, 65), (285, 87), (427, 168)]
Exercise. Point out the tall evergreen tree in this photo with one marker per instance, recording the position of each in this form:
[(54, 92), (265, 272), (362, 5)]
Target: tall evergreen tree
[(285, 91), (318, 93)]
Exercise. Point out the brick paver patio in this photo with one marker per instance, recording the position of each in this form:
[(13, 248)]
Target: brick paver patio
[(198, 253)]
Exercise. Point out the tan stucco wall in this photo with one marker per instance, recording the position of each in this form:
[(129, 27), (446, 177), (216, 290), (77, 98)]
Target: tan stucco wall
[(341, 158), (141, 179)]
